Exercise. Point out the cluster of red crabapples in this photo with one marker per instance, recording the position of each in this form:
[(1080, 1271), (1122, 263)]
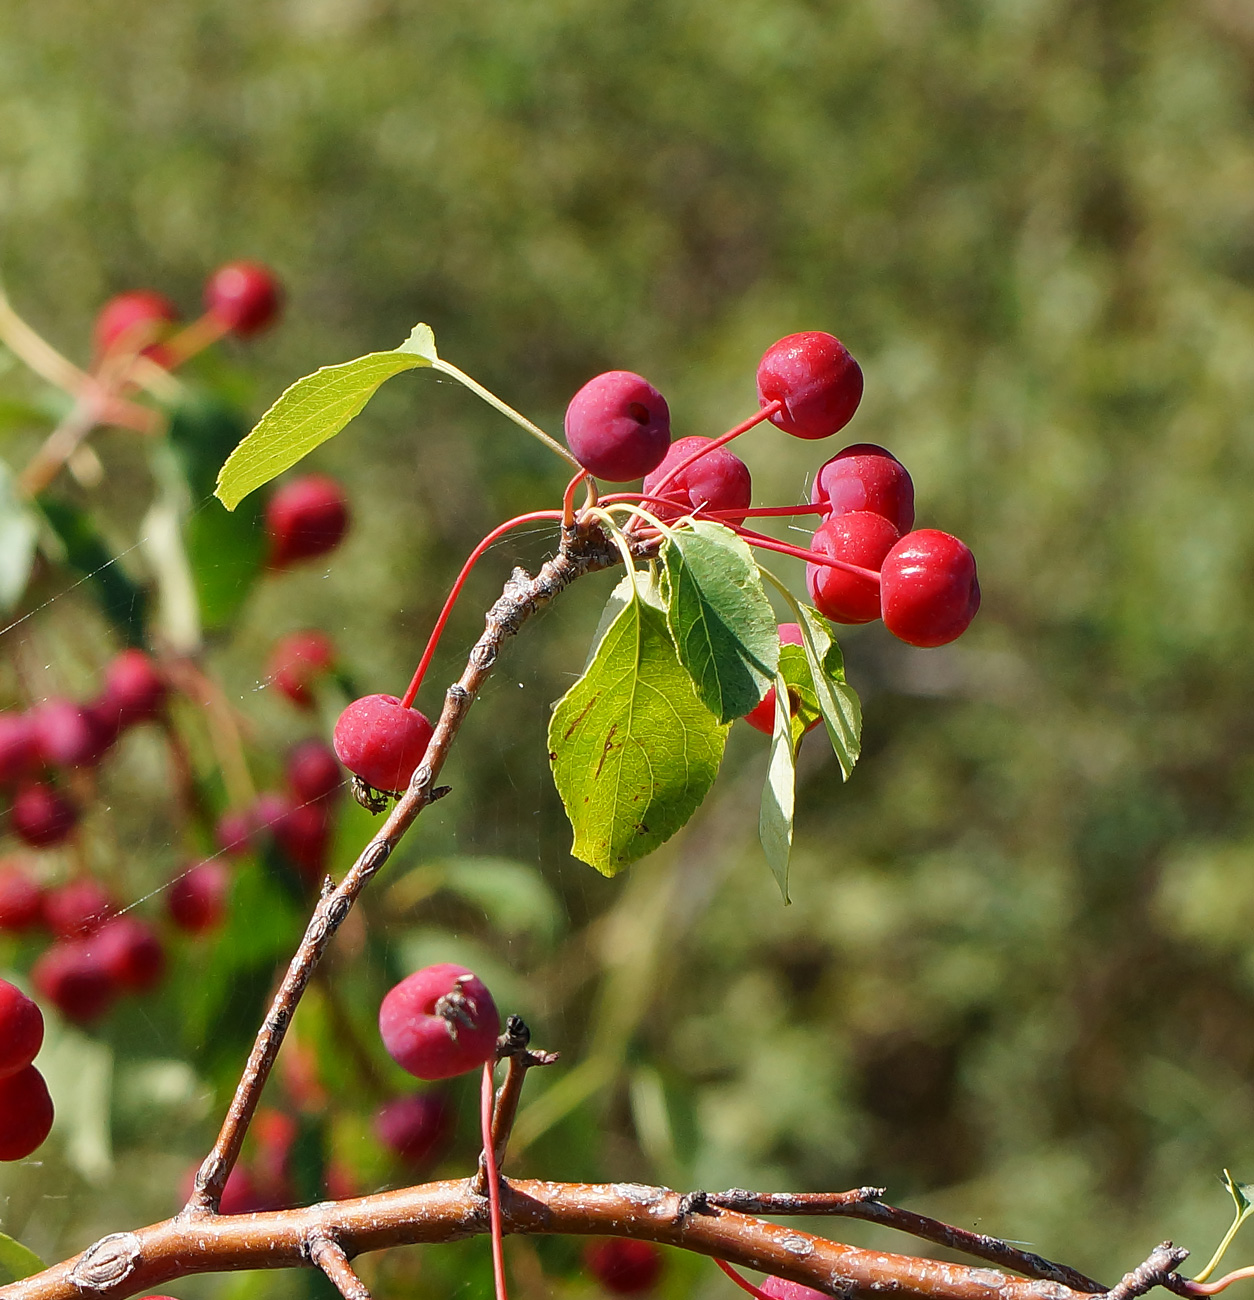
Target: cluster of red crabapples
[(865, 561)]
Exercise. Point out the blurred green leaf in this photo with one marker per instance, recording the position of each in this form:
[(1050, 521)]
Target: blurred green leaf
[(312, 410), (514, 895), (719, 617), (775, 817), (16, 1262), (227, 553), (79, 1073), (633, 748), (19, 532)]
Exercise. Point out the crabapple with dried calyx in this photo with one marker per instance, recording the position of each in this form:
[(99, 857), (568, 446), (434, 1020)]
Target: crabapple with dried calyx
[(618, 426), (138, 317), (244, 296), (866, 477), (440, 1021), (762, 716), (860, 538), (41, 815), (381, 741), (25, 1113), (818, 382), (21, 1029), (196, 900), (929, 591), (623, 1265), (717, 480), (307, 517)]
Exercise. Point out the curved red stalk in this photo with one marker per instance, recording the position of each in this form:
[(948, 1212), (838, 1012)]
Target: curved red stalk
[(812, 557), (494, 1186), (764, 414), (742, 1282)]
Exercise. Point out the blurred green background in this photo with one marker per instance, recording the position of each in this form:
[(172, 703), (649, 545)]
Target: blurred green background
[(1017, 982)]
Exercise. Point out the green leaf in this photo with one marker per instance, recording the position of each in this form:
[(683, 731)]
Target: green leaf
[(226, 552), (803, 703), (1243, 1198), (16, 1262), (312, 410), (775, 817), (837, 700), (19, 532), (633, 748), (721, 621), (204, 431), (514, 895)]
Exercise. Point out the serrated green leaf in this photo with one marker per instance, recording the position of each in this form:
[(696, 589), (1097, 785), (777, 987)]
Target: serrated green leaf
[(312, 410), (19, 532), (16, 1261), (775, 818), (719, 617), (837, 700), (633, 748)]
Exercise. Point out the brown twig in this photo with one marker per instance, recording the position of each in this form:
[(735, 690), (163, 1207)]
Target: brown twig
[(329, 1256), (523, 595), (865, 1203), (1162, 1264)]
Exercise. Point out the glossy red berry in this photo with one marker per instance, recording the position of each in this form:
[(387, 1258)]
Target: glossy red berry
[(134, 690), (929, 591), (21, 898), (866, 477), (622, 1265), (860, 538), (25, 1113), (21, 1029), (41, 815), (19, 752), (197, 899), (313, 772), (439, 1021), (618, 426), (297, 661), (817, 380), (779, 1288), (77, 908), (717, 481), (135, 318), (72, 977), (244, 296), (762, 716), (382, 742), (305, 518), (416, 1128), (130, 953)]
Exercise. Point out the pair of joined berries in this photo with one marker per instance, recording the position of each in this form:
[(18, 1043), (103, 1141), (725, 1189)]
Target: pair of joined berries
[(25, 1106)]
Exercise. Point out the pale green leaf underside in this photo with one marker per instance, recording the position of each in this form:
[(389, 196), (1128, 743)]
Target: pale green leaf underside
[(312, 410), (634, 750), (837, 700), (775, 818), (16, 1261), (721, 621)]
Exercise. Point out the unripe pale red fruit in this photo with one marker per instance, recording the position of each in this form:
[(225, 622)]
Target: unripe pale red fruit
[(21, 898), (439, 1021), (762, 716), (305, 518), (866, 477), (859, 538), (779, 1288), (618, 426), (244, 296), (25, 1113), (622, 1265), (234, 832), (313, 771), (416, 1128), (65, 734), (140, 316), (21, 1029), (196, 900), (297, 661), (929, 591), (817, 380), (77, 908), (134, 690), (303, 835), (382, 742), (73, 978), (41, 815), (130, 953), (19, 755), (718, 481)]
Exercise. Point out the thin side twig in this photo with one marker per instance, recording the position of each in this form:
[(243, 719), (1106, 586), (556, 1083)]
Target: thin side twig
[(1164, 1259), (328, 1255)]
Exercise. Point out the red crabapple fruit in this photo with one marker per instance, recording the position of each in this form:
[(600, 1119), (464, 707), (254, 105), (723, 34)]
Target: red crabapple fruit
[(25, 1113), (860, 538), (73, 978), (234, 832), (618, 426), (21, 898), (77, 908), (134, 690), (415, 1128), (297, 661), (130, 953), (779, 1288), (382, 741), (866, 477), (140, 316), (19, 754), (622, 1265), (65, 734), (244, 296), (439, 1021), (817, 380), (21, 1029), (717, 481), (313, 771), (929, 591), (196, 900), (303, 835), (762, 716), (305, 518), (41, 815)]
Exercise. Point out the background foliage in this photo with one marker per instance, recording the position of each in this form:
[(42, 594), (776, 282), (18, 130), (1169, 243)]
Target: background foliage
[(1017, 983)]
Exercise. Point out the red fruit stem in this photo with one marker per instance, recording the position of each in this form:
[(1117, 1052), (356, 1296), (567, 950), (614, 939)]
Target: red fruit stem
[(812, 557), (763, 512), (1213, 1288), (764, 414), (494, 1186), (568, 497), (434, 640), (742, 1282)]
